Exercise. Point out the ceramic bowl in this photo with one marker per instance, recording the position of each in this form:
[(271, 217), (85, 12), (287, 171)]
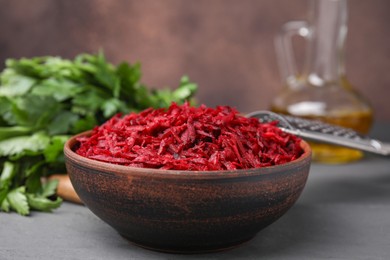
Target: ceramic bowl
[(186, 211)]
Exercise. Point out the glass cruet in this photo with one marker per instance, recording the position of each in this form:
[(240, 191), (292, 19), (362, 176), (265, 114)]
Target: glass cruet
[(321, 91)]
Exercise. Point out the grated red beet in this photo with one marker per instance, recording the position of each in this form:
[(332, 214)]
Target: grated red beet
[(190, 138)]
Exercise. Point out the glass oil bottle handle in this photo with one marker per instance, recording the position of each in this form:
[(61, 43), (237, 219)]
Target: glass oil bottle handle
[(284, 48)]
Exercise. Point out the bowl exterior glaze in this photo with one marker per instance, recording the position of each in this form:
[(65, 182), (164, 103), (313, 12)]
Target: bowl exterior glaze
[(184, 211)]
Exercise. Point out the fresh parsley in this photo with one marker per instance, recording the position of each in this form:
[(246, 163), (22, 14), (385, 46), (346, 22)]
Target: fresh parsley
[(45, 100)]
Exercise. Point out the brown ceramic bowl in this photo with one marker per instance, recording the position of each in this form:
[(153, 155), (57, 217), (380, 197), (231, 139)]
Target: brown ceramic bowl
[(186, 211)]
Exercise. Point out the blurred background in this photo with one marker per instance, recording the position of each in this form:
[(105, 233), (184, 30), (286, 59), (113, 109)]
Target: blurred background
[(226, 46)]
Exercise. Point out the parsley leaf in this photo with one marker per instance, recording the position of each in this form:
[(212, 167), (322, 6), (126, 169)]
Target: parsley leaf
[(17, 145), (18, 201)]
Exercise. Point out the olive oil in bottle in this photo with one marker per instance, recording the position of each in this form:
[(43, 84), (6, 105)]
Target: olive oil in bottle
[(322, 90)]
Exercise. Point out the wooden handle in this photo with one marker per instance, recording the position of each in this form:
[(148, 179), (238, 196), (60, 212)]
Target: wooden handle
[(65, 188)]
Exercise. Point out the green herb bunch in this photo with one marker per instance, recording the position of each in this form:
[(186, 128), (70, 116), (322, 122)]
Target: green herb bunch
[(45, 100)]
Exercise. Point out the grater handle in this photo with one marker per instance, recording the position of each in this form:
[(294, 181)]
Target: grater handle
[(322, 132), (363, 144)]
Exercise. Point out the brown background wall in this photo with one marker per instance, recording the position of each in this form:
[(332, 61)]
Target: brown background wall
[(224, 45)]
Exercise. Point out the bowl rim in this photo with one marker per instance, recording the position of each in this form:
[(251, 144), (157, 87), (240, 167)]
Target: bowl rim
[(71, 155)]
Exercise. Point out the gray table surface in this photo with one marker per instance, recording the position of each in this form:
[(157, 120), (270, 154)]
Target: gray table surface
[(343, 213)]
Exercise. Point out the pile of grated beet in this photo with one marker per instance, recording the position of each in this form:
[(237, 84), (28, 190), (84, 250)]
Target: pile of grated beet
[(190, 138)]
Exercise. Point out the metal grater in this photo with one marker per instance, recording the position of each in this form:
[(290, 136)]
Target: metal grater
[(315, 130)]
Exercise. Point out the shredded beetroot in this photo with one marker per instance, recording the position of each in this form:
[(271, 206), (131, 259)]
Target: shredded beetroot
[(190, 138)]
